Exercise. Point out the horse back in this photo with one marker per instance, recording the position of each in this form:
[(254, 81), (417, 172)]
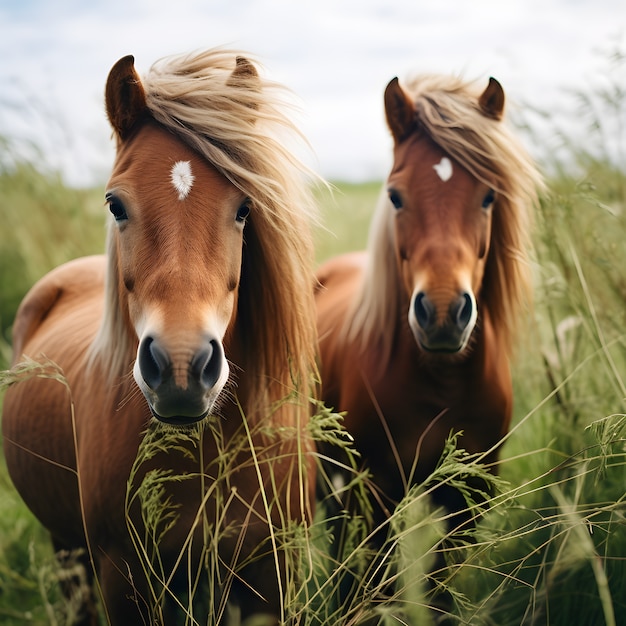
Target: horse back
[(59, 293)]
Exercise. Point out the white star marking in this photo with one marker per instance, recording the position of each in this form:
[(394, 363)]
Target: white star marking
[(182, 178), (444, 169)]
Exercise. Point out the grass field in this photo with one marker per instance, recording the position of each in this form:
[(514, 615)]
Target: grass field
[(551, 548)]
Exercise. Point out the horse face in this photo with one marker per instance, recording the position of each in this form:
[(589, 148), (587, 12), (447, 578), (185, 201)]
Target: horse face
[(443, 224), (178, 238), (442, 233)]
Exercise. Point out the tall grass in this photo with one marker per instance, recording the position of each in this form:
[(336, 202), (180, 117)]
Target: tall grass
[(557, 554), (551, 545)]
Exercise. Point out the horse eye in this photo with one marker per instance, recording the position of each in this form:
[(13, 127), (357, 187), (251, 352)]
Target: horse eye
[(489, 199), (242, 212), (395, 199), (117, 208)]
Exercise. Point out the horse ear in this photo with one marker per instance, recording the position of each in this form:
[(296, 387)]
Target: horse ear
[(244, 69), (492, 100), (245, 76), (399, 110), (124, 96)]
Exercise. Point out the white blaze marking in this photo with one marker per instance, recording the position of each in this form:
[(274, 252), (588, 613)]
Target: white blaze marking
[(182, 178), (444, 169)]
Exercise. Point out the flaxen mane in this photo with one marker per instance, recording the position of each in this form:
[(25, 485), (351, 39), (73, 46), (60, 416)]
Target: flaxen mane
[(447, 110), (236, 124)]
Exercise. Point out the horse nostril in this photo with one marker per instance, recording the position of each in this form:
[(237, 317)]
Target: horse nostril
[(153, 361), (206, 366), (465, 310), (423, 309)]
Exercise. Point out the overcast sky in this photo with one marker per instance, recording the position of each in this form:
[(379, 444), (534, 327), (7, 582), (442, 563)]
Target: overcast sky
[(336, 55)]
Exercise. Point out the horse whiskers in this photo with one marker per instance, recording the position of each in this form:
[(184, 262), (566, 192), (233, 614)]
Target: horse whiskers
[(133, 392)]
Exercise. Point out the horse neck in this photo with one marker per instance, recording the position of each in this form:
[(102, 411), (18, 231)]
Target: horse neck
[(247, 397), (379, 304)]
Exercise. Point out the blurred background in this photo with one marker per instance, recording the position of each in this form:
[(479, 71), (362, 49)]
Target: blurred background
[(336, 56)]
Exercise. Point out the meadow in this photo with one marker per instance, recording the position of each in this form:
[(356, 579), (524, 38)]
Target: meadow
[(551, 547)]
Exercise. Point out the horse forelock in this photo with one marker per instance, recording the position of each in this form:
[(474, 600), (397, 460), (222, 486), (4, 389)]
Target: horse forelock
[(447, 111), (241, 131)]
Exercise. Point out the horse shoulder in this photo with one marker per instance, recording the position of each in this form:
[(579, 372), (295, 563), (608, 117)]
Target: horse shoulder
[(55, 322), (54, 326)]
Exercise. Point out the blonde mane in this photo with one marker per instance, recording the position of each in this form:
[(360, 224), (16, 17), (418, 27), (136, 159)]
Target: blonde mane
[(239, 126), (447, 111)]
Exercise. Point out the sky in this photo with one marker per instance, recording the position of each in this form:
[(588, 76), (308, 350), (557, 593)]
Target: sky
[(336, 56)]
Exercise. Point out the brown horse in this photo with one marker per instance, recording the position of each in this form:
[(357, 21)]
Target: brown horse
[(204, 295), (416, 334)]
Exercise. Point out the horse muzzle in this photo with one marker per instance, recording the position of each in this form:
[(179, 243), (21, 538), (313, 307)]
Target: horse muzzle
[(439, 329), (180, 390)]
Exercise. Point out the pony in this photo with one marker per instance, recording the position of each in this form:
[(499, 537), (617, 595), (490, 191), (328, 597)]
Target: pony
[(416, 333), (198, 321)]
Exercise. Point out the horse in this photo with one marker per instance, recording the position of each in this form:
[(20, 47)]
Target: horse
[(416, 333), (198, 321)]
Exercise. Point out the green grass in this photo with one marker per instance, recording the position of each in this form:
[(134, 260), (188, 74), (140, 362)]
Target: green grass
[(551, 549), (345, 212)]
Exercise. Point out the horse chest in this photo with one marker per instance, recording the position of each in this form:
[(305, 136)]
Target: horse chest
[(409, 409), (414, 391)]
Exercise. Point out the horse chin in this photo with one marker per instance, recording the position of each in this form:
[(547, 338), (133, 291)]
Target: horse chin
[(178, 409), (442, 344), (180, 421), (442, 350)]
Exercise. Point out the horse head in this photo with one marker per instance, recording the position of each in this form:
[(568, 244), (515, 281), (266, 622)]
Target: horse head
[(175, 252), (442, 224)]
